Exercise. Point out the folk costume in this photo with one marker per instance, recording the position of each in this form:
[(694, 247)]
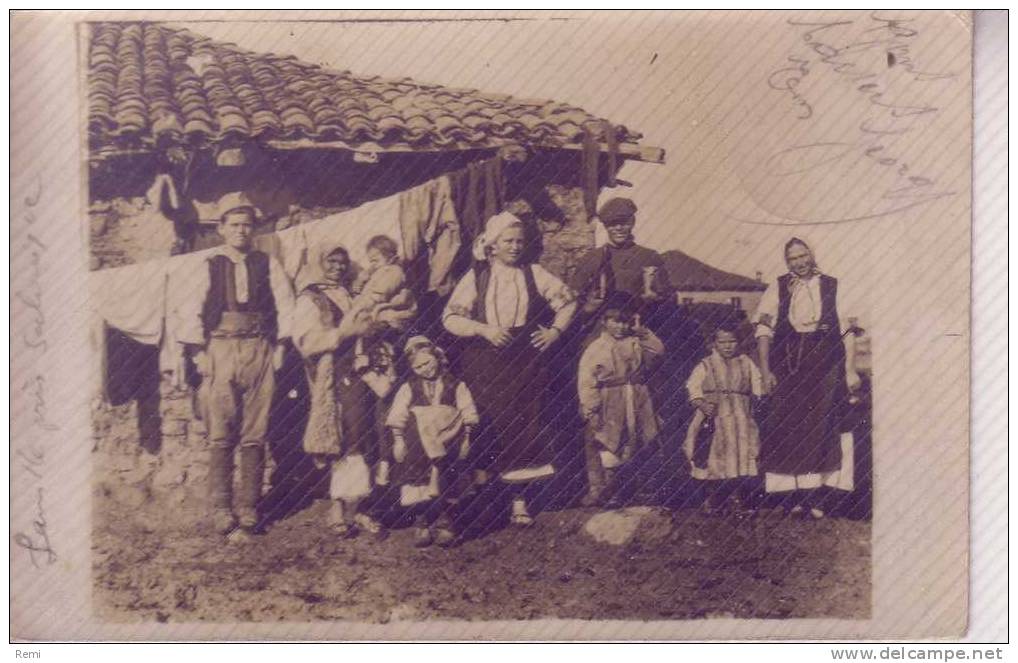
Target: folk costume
[(734, 448), (247, 304), (509, 383), (612, 387), (802, 447), (433, 417)]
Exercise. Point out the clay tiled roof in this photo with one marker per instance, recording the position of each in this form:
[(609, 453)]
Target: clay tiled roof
[(149, 84)]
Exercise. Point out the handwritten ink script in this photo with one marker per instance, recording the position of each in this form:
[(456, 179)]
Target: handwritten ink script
[(875, 56), (28, 447)]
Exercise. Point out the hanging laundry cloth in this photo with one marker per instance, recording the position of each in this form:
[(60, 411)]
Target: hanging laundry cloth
[(431, 235), (301, 245)]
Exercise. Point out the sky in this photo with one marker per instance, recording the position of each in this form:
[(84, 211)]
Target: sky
[(702, 86)]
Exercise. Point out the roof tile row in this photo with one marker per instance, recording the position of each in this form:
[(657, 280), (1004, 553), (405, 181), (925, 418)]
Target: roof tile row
[(148, 83)]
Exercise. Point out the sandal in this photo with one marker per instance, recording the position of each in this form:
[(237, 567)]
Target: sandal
[(247, 519), (240, 536), (367, 523), (344, 530), (423, 537), (522, 520), (520, 517), (445, 538), (817, 514)]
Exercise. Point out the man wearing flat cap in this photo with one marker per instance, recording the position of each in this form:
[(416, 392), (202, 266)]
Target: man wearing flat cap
[(622, 269), (621, 265), (243, 306)]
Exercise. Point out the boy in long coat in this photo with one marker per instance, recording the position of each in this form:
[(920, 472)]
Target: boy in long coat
[(615, 401)]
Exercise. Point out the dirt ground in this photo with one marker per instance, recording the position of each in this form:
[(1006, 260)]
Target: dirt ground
[(675, 565)]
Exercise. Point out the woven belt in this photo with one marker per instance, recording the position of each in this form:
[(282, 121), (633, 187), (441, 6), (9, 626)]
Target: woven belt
[(240, 324), (620, 382)]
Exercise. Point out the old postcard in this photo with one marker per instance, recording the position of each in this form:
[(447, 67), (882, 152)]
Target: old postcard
[(490, 325)]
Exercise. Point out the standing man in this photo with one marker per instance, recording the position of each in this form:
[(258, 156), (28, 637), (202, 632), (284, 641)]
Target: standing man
[(246, 304), (621, 265), (623, 268)]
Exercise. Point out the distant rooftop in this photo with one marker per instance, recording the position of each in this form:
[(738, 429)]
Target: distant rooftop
[(691, 275)]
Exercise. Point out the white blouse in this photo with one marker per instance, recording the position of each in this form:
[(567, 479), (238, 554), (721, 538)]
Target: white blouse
[(308, 328), (400, 410), (804, 307), (506, 300)]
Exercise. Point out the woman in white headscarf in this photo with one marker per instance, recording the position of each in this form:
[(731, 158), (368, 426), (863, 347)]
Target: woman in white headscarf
[(807, 364), (511, 313)]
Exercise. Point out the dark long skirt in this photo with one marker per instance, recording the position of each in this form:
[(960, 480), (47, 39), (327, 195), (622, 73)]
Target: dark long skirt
[(801, 434), (510, 386), (357, 416)]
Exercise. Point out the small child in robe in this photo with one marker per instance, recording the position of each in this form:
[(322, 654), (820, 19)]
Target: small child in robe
[(723, 441), (622, 425), (384, 295), (430, 419)]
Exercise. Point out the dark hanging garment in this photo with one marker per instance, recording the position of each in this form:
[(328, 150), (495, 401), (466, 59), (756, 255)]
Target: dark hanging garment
[(478, 193), (132, 368), (132, 374)]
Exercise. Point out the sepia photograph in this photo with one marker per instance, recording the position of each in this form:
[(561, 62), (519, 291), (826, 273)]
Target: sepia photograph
[(428, 318)]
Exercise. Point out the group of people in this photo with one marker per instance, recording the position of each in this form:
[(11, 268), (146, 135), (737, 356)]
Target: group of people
[(402, 423)]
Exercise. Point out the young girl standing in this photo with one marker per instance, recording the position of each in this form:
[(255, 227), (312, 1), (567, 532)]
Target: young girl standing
[(723, 441), (430, 420)]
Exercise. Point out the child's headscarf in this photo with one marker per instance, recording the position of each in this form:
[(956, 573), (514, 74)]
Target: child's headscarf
[(417, 344)]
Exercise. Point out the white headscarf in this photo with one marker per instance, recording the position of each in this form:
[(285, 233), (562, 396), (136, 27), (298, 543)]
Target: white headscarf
[(496, 226), (313, 270), (417, 343)]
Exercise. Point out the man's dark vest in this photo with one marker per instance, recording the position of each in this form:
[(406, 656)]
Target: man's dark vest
[(222, 295)]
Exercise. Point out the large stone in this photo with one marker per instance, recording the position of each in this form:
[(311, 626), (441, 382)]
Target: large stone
[(619, 527)]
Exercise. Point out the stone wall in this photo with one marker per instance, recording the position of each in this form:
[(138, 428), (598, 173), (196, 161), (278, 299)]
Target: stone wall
[(565, 243), (172, 472)]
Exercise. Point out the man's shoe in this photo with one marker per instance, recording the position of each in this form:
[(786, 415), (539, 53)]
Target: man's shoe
[(247, 519), (223, 521)]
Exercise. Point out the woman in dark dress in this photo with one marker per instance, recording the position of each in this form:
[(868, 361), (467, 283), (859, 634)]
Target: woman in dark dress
[(508, 315), (808, 367)]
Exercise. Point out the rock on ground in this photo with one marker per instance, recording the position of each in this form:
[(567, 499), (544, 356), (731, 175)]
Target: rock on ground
[(621, 526)]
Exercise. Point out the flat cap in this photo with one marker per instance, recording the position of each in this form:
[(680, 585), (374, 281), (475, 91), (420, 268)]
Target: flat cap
[(617, 209)]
